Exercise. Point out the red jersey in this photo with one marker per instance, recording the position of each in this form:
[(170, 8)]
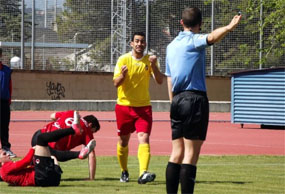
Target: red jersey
[(19, 173), (64, 120)]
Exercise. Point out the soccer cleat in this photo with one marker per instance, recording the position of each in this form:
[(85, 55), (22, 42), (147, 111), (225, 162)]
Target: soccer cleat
[(76, 124), (9, 152), (146, 177), (75, 117), (85, 151), (124, 177)]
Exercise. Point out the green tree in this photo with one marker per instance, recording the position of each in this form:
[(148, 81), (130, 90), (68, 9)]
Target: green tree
[(10, 20), (272, 29), (90, 19), (87, 21)]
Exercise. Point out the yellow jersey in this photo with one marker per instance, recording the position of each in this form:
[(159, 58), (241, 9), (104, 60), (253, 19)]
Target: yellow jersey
[(134, 91)]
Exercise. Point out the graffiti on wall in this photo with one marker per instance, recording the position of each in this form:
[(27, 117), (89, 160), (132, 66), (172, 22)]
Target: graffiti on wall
[(55, 90)]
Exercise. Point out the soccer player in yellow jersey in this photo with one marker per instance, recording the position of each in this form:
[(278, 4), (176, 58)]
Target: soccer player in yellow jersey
[(133, 109)]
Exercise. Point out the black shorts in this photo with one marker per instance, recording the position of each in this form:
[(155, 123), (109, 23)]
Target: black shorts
[(189, 114), (46, 172)]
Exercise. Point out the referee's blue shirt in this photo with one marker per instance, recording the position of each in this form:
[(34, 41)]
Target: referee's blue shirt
[(185, 62)]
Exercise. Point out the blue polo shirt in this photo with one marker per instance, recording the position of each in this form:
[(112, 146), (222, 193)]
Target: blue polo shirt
[(185, 62), (5, 77)]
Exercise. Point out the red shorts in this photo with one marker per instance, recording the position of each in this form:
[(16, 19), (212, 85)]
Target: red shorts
[(130, 119)]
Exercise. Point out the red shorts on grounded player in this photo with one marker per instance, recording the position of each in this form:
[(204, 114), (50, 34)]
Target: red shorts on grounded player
[(130, 119)]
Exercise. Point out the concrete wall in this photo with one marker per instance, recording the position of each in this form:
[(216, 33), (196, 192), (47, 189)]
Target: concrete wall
[(88, 91), (54, 85)]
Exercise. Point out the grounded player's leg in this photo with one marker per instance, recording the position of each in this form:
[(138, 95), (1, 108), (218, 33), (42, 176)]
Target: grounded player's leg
[(64, 156), (47, 173), (45, 138)]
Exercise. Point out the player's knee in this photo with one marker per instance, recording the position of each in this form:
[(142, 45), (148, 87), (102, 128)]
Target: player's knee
[(143, 138), (177, 157)]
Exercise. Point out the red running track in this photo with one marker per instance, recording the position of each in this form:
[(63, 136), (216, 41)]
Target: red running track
[(224, 138)]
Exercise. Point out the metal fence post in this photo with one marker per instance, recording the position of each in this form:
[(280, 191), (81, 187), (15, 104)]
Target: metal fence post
[(147, 25), (212, 47), (33, 35), (22, 35), (260, 35)]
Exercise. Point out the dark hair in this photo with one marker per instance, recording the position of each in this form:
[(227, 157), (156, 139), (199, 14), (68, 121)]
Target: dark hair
[(139, 34), (191, 17), (92, 119)]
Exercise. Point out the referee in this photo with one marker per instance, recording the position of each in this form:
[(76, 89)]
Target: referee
[(189, 112)]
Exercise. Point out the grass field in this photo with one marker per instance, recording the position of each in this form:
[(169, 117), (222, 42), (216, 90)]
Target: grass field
[(216, 175)]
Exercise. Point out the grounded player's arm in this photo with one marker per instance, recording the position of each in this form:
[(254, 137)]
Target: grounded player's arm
[(169, 86), (26, 161), (220, 33), (120, 79), (92, 165), (158, 76)]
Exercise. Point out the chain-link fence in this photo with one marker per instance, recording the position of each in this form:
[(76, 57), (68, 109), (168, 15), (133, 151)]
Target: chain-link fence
[(90, 35)]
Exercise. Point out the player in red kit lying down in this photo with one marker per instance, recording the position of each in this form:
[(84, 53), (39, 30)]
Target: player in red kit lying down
[(39, 167)]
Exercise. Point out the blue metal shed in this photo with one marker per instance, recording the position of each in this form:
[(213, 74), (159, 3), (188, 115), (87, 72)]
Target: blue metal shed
[(258, 97)]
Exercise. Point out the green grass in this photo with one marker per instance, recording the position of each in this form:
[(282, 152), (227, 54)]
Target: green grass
[(215, 175)]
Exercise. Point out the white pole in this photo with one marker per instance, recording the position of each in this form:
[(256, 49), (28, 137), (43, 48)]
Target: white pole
[(260, 35), (33, 35), (147, 25), (212, 47), (22, 35)]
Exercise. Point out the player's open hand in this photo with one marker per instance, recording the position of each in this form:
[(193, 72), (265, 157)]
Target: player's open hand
[(234, 22)]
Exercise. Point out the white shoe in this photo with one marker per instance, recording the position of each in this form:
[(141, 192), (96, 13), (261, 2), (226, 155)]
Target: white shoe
[(9, 152), (87, 149), (76, 124), (146, 177)]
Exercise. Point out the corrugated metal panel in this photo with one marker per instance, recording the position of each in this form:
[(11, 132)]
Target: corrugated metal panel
[(258, 97)]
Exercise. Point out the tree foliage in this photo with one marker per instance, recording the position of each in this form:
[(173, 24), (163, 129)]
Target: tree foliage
[(10, 20), (89, 22), (90, 19), (271, 27)]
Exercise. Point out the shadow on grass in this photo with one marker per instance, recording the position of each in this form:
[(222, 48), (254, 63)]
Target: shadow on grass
[(111, 179), (74, 179), (223, 182)]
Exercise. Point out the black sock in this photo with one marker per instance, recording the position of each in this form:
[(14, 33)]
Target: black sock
[(187, 178), (44, 138), (64, 156), (172, 177)]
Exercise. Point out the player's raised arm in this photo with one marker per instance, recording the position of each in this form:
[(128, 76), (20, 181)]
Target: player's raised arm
[(220, 33), (157, 75), (120, 79)]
